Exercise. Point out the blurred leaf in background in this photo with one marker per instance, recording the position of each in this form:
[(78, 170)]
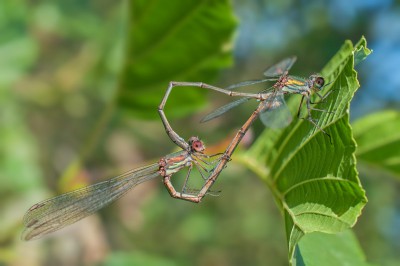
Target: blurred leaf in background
[(181, 43), (378, 146)]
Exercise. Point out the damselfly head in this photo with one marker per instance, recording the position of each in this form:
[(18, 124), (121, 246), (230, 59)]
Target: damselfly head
[(196, 145), (317, 82)]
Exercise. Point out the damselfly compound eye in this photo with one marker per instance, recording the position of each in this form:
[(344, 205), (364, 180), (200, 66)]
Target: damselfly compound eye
[(320, 81), (196, 144)]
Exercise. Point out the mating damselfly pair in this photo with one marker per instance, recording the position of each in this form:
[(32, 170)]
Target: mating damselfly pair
[(55, 213)]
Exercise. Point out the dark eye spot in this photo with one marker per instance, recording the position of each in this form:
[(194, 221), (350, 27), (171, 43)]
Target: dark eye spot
[(320, 81)]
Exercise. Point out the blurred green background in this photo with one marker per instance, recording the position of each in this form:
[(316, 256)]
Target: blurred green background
[(82, 79)]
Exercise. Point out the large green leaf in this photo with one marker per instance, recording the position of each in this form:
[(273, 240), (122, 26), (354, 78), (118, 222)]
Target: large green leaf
[(136, 258), (315, 182), (173, 40), (330, 250), (378, 140)]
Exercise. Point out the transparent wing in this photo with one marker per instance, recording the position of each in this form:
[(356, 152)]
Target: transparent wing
[(205, 164), (280, 68), (248, 83), (276, 113), (55, 213), (223, 109)]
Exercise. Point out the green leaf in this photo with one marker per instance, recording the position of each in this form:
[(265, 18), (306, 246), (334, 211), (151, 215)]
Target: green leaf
[(314, 182), (173, 40), (327, 249), (136, 258), (361, 51), (378, 140)]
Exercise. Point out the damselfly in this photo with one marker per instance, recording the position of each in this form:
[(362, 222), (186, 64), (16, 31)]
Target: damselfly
[(275, 113), (55, 213)]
